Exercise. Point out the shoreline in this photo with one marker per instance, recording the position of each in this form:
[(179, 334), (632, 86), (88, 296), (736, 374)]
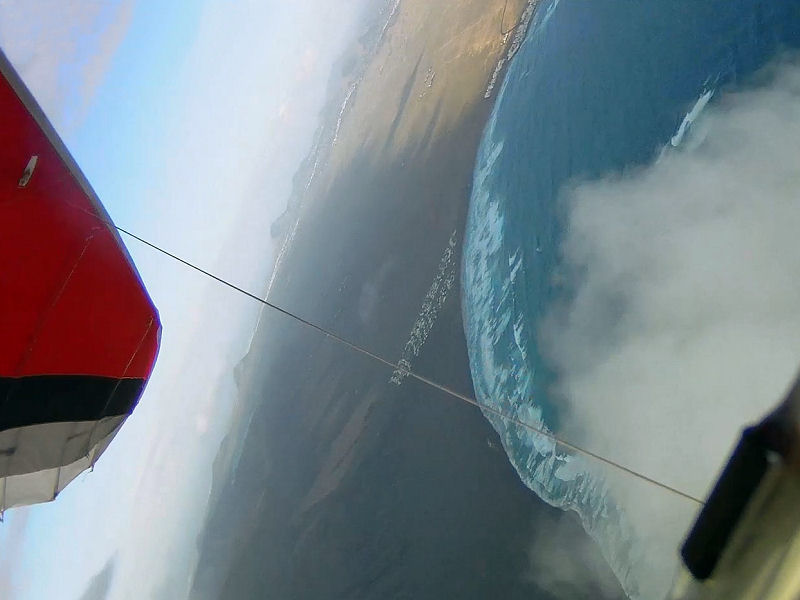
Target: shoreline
[(340, 107), (324, 145), (350, 484), (438, 324)]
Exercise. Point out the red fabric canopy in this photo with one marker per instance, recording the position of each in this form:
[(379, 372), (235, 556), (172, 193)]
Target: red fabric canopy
[(79, 333), (71, 301)]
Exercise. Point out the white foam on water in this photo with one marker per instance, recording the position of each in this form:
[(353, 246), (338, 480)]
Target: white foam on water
[(691, 117), (547, 15), (342, 110), (503, 380), (519, 335), (493, 81), (388, 21)]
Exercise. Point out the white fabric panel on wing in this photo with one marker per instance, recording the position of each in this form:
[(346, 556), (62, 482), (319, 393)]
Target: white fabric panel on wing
[(57, 450), (38, 447)]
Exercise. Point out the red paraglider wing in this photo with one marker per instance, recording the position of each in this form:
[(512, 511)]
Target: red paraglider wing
[(80, 333)]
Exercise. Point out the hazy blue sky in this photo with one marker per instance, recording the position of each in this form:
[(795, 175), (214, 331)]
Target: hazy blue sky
[(189, 119)]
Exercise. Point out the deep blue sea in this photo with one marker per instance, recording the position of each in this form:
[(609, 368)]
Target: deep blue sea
[(598, 87)]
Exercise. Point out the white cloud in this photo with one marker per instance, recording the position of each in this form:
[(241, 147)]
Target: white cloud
[(62, 50), (564, 562), (685, 323), (254, 82), (108, 39)]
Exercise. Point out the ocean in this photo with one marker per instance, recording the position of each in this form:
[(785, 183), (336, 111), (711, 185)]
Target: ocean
[(598, 88)]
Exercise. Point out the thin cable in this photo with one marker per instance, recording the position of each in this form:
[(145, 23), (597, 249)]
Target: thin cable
[(504, 32), (420, 378), (503, 20)]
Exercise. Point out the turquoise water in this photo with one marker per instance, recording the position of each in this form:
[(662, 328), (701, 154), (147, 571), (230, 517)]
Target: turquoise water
[(598, 87)]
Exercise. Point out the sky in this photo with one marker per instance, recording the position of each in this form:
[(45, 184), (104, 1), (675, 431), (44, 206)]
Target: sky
[(189, 118)]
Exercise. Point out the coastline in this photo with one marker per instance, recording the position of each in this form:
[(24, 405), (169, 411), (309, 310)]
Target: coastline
[(397, 181), (339, 139), (350, 484), (384, 39), (379, 43)]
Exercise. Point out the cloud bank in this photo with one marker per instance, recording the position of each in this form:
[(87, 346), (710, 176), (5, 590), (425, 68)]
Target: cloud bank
[(570, 568), (683, 323)]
